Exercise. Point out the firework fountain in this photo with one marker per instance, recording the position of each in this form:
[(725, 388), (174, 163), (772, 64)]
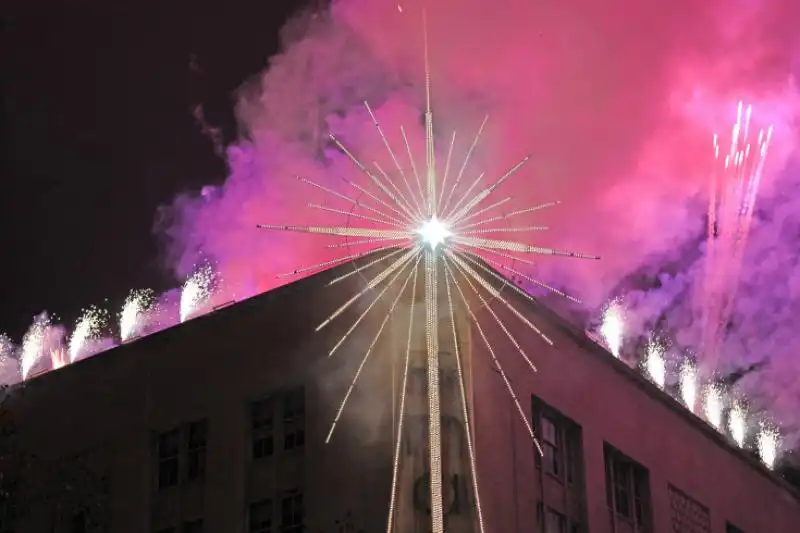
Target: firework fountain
[(436, 234)]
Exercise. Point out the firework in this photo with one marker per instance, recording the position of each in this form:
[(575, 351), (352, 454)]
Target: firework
[(768, 440), (58, 358), (732, 197), (613, 327), (87, 329), (654, 363), (8, 364), (196, 292), (688, 385), (33, 343), (737, 423), (713, 405), (427, 225), (134, 313)]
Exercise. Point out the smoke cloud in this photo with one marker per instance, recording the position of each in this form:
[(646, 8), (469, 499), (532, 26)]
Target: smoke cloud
[(615, 101)]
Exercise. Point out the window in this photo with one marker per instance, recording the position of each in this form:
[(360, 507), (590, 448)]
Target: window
[(554, 522), (196, 451), (262, 422), (627, 491), (294, 410), (560, 439), (182, 454), (260, 517), (730, 528), (193, 526), (688, 515), (168, 458), (292, 513)]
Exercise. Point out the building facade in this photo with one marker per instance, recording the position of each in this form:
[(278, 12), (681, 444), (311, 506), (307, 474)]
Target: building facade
[(220, 425)]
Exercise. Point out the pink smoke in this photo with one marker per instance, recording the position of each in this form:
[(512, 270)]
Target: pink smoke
[(616, 102)]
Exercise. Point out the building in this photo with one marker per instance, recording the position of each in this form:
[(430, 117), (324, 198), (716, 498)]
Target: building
[(219, 425)]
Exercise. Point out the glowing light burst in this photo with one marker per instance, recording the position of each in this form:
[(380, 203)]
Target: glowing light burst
[(655, 364), (197, 291), (688, 385), (87, 329), (737, 423), (33, 344), (425, 231), (768, 441), (713, 405), (613, 327), (134, 310), (8, 364)]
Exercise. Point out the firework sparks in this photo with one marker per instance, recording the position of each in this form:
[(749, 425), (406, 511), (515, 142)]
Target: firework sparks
[(768, 441), (613, 327), (429, 225), (733, 190), (8, 365), (134, 312), (87, 329), (58, 358), (737, 423), (197, 291), (655, 364), (713, 405), (688, 385), (33, 344)]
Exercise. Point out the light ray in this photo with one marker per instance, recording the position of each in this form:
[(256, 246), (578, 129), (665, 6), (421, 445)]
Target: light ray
[(465, 163), (332, 262), (502, 217), (482, 211), (365, 241), (351, 200), (408, 214), (365, 266), (468, 422), (368, 309), (499, 367), (504, 230), (464, 196), (403, 389), (407, 205), (498, 253), (413, 166), (398, 263), (366, 357), (496, 294), (466, 274), (434, 414), (478, 198), (512, 246), (447, 167), (351, 214), (341, 231)]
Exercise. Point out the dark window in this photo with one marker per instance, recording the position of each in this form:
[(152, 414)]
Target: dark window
[(294, 412), (627, 491), (262, 424), (260, 517), (78, 523), (554, 522), (560, 439), (292, 513), (196, 436), (169, 446), (688, 515), (193, 526), (730, 528)]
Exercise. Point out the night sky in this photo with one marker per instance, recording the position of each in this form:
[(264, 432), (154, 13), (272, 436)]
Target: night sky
[(98, 131)]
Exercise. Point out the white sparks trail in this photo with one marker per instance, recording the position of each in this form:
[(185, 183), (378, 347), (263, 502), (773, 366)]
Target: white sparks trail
[(426, 226), (87, 329), (8, 364), (768, 441), (134, 312), (655, 364), (737, 423), (33, 344), (688, 385), (713, 405), (733, 190), (196, 292), (613, 327)]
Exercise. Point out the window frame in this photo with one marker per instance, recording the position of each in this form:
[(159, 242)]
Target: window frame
[(269, 505), (638, 511)]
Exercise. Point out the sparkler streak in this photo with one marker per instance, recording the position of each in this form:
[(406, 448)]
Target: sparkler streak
[(369, 308), (465, 195), (351, 200), (465, 268), (467, 274), (340, 231), (447, 167), (505, 230), (468, 422), (371, 285), (512, 246), (334, 261), (365, 241), (488, 190), (407, 210), (351, 214), (366, 356), (481, 211), (497, 364), (403, 391), (364, 267), (407, 205), (413, 166)]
